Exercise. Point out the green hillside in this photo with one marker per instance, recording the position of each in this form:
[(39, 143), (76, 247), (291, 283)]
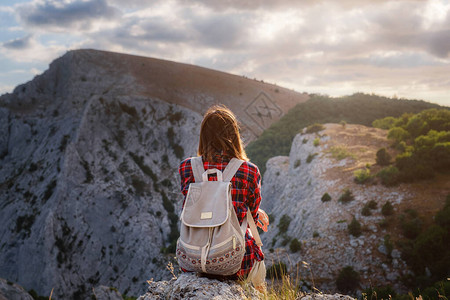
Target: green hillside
[(356, 109)]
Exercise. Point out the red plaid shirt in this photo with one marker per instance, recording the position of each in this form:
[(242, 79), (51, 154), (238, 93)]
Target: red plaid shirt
[(246, 192)]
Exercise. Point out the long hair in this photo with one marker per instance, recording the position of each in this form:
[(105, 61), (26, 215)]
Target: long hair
[(219, 132)]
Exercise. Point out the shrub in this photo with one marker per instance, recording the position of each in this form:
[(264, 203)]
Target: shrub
[(311, 157), (138, 184), (284, 223), (297, 163), (365, 211), (346, 196), (372, 204), (89, 176), (316, 142), (326, 197), (398, 134), (411, 225), (316, 127), (389, 176), (276, 271), (131, 110), (362, 175), (178, 150), (295, 245), (315, 234), (49, 190), (354, 228), (387, 209), (442, 217), (385, 123), (383, 157), (343, 123), (347, 280), (33, 167)]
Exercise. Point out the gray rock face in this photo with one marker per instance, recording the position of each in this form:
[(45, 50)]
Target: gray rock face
[(89, 192), (190, 286), (12, 291), (106, 293)]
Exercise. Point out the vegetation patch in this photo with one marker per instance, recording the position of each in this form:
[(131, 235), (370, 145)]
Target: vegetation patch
[(89, 176), (339, 153), (295, 245), (316, 127), (348, 280), (49, 190), (424, 142), (354, 228), (383, 157), (346, 196), (311, 157), (389, 176), (362, 176), (316, 142), (387, 209), (284, 223), (326, 197)]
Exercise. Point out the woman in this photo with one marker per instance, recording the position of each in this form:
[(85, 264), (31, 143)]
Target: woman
[(220, 141)]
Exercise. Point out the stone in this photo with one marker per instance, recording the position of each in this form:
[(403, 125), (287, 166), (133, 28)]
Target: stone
[(106, 293), (191, 286), (12, 291), (382, 249), (327, 297)]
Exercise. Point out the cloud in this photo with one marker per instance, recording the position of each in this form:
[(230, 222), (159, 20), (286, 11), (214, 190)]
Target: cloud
[(320, 46), (64, 15), (30, 50), (18, 44)]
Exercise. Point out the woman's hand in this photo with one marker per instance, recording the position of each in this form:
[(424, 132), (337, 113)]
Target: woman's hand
[(263, 220)]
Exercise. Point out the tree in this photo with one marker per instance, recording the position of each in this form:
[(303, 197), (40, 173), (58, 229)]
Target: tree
[(383, 157)]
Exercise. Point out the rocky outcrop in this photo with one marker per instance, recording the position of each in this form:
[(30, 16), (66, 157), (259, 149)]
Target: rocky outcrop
[(12, 291), (191, 286), (293, 187)]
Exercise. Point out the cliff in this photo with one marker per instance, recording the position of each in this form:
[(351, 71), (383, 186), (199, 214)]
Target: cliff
[(324, 163)]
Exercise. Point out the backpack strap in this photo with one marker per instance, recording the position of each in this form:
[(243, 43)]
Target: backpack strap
[(253, 229), (231, 169), (197, 168)]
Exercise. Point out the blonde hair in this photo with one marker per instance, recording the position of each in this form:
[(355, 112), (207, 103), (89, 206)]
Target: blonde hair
[(220, 132)]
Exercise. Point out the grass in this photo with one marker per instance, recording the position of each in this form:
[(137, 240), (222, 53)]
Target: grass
[(340, 153)]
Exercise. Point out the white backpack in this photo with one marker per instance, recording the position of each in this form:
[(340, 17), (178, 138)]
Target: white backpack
[(211, 240)]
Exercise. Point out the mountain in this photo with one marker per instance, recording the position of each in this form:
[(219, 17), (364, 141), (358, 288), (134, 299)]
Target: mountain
[(89, 152)]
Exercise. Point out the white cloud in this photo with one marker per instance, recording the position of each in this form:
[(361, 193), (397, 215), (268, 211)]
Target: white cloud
[(30, 49)]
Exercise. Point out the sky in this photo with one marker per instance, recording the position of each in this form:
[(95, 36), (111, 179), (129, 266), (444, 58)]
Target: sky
[(392, 48)]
